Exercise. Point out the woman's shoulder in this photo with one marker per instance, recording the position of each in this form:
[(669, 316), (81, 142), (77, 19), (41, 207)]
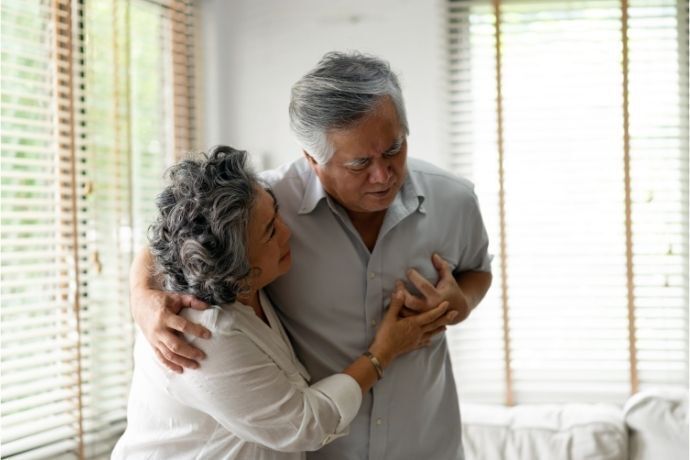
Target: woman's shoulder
[(217, 318)]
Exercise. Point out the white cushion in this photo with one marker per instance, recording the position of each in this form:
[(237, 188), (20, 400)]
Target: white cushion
[(548, 432), (658, 423)]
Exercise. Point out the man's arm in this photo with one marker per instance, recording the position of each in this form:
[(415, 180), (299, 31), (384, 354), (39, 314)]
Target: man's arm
[(156, 312), (463, 292)]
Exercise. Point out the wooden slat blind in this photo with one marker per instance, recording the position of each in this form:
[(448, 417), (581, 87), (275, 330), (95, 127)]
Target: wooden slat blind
[(91, 114), (572, 120)]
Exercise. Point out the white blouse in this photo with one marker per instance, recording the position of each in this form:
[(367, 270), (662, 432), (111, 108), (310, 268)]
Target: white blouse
[(248, 400)]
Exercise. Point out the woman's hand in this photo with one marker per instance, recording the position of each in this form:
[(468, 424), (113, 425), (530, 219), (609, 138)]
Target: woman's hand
[(397, 335)]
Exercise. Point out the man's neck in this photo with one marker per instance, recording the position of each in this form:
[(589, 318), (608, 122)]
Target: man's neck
[(368, 225)]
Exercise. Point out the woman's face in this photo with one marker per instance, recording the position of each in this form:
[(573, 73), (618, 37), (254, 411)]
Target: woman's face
[(268, 241)]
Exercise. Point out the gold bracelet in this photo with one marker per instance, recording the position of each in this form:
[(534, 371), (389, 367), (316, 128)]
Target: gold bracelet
[(376, 363)]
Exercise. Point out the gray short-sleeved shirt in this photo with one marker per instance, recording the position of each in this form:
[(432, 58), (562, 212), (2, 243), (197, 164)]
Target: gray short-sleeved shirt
[(336, 292)]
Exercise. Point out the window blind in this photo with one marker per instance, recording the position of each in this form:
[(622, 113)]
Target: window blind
[(572, 120), (97, 97), (41, 393)]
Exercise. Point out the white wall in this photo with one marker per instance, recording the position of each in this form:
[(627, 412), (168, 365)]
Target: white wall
[(254, 50)]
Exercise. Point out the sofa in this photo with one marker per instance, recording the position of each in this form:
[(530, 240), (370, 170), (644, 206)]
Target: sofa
[(652, 425)]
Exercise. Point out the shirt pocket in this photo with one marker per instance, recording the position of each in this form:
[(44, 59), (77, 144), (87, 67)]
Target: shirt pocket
[(424, 266)]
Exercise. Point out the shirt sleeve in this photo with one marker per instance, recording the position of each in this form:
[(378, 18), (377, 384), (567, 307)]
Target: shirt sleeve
[(476, 255), (244, 390)]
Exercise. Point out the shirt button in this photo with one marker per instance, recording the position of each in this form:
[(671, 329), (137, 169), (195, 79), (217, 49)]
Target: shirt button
[(372, 275), (379, 421)]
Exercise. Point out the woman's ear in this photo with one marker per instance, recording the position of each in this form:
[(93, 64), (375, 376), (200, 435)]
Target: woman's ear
[(254, 273), (245, 284)]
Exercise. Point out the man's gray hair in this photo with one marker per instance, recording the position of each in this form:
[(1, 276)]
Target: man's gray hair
[(340, 90), (199, 239)]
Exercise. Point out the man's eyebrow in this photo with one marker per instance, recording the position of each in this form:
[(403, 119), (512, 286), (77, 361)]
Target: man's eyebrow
[(396, 145), (357, 160)]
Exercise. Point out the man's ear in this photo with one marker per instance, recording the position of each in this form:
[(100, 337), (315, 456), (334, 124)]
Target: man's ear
[(310, 159), (313, 164)]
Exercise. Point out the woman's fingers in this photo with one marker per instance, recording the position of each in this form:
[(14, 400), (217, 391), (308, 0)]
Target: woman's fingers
[(433, 332), (406, 312), (423, 343)]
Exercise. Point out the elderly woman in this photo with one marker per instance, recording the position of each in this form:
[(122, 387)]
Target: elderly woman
[(219, 237)]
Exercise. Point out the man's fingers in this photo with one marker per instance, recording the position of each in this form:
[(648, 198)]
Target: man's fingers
[(415, 303), (428, 317), (177, 360), (193, 302), (169, 364), (178, 346), (184, 326), (174, 302), (410, 301), (427, 289), (400, 287), (442, 267)]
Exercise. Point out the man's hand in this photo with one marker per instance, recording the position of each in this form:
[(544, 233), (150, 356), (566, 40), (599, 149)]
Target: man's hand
[(157, 314), (462, 294)]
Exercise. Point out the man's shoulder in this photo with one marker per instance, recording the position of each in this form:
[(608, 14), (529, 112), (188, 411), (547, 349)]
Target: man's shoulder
[(289, 183), (296, 170), (433, 179)]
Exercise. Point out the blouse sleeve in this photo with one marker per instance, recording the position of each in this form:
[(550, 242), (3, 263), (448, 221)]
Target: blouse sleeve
[(243, 389)]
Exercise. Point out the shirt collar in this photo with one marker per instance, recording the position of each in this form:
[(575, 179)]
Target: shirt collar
[(313, 193), (411, 195)]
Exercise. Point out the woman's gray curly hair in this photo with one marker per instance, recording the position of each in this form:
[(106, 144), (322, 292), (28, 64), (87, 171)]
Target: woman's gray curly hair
[(199, 239)]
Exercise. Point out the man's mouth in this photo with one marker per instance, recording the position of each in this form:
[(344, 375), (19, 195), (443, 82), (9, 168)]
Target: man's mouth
[(381, 193)]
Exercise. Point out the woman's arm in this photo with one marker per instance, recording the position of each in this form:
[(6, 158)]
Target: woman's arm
[(244, 389)]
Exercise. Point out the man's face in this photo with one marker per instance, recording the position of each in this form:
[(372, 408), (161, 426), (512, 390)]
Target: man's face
[(368, 166)]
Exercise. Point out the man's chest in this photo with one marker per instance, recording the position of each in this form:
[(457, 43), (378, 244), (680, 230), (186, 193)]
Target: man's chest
[(333, 271)]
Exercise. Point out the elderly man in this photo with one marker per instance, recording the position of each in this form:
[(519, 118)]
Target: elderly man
[(363, 218)]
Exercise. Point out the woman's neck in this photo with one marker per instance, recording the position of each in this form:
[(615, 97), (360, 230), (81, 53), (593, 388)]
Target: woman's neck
[(251, 299)]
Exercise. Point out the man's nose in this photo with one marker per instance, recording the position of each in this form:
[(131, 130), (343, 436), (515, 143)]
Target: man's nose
[(380, 172)]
